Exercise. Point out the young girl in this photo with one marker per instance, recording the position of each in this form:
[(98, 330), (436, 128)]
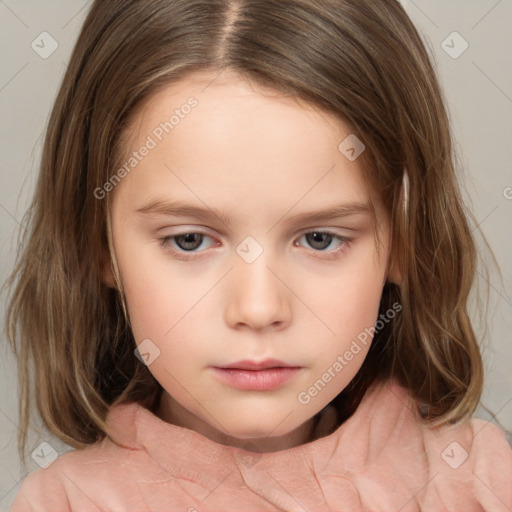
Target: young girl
[(247, 269)]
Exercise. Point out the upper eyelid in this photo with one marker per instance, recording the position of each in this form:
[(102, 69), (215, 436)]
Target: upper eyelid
[(201, 231)]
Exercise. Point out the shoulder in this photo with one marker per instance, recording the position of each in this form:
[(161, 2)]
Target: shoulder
[(472, 457), (472, 454), (470, 460), (105, 472), (73, 480), (492, 455), (42, 490), (490, 438), (481, 439)]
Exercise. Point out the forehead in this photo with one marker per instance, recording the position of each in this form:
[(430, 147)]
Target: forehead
[(229, 100), (224, 138)]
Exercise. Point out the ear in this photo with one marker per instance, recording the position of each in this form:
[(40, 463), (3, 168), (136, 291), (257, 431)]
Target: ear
[(107, 275), (394, 275), (395, 271)]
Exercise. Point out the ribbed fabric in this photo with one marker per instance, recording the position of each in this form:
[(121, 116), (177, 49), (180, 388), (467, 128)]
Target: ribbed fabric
[(382, 459)]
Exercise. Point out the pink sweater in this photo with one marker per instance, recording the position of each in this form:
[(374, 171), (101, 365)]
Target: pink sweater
[(381, 459)]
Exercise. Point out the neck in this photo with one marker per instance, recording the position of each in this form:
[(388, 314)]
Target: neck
[(172, 412)]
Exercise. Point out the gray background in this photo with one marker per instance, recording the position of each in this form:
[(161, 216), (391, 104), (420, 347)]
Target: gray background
[(477, 85)]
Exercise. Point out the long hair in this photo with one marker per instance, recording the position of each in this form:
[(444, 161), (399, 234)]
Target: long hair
[(361, 60)]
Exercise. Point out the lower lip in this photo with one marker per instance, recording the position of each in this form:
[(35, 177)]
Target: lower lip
[(256, 380)]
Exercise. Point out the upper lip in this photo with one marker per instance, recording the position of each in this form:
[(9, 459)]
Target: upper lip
[(247, 364)]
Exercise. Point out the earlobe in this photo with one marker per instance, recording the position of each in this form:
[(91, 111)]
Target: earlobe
[(394, 276), (107, 275), (394, 273)]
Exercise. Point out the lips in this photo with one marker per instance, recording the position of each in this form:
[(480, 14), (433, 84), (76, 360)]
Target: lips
[(248, 375), (247, 364)]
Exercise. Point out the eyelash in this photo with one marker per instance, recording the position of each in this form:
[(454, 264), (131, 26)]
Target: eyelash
[(344, 245)]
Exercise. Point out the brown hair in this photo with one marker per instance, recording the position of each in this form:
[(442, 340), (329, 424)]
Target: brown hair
[(362, 60)]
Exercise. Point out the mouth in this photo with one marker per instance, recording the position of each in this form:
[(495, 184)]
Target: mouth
[(256, 376)]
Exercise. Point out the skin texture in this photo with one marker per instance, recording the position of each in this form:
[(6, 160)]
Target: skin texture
[(260, 158)]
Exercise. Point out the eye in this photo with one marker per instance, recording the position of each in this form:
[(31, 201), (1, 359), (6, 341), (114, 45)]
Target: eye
[(186, 242), (321, 240), (318, 240)]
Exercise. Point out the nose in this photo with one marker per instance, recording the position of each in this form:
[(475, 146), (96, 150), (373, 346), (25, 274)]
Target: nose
[(258, 297)]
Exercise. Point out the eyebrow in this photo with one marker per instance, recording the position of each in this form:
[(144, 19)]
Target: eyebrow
[(207, 214)]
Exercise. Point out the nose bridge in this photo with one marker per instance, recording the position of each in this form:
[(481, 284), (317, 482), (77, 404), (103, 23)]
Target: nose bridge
[(253, 268), (259, 297)]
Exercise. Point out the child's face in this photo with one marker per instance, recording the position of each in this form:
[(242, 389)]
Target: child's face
[(263, 286)]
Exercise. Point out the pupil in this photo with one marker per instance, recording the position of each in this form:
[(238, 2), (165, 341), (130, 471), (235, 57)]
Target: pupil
[(318, 239), (190, 241)]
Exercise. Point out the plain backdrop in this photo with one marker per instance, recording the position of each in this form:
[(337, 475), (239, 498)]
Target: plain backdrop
[(474, 66)]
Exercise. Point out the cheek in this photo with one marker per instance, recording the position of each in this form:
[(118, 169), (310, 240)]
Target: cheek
[(157, 295), (352, 318), (347, 302)]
